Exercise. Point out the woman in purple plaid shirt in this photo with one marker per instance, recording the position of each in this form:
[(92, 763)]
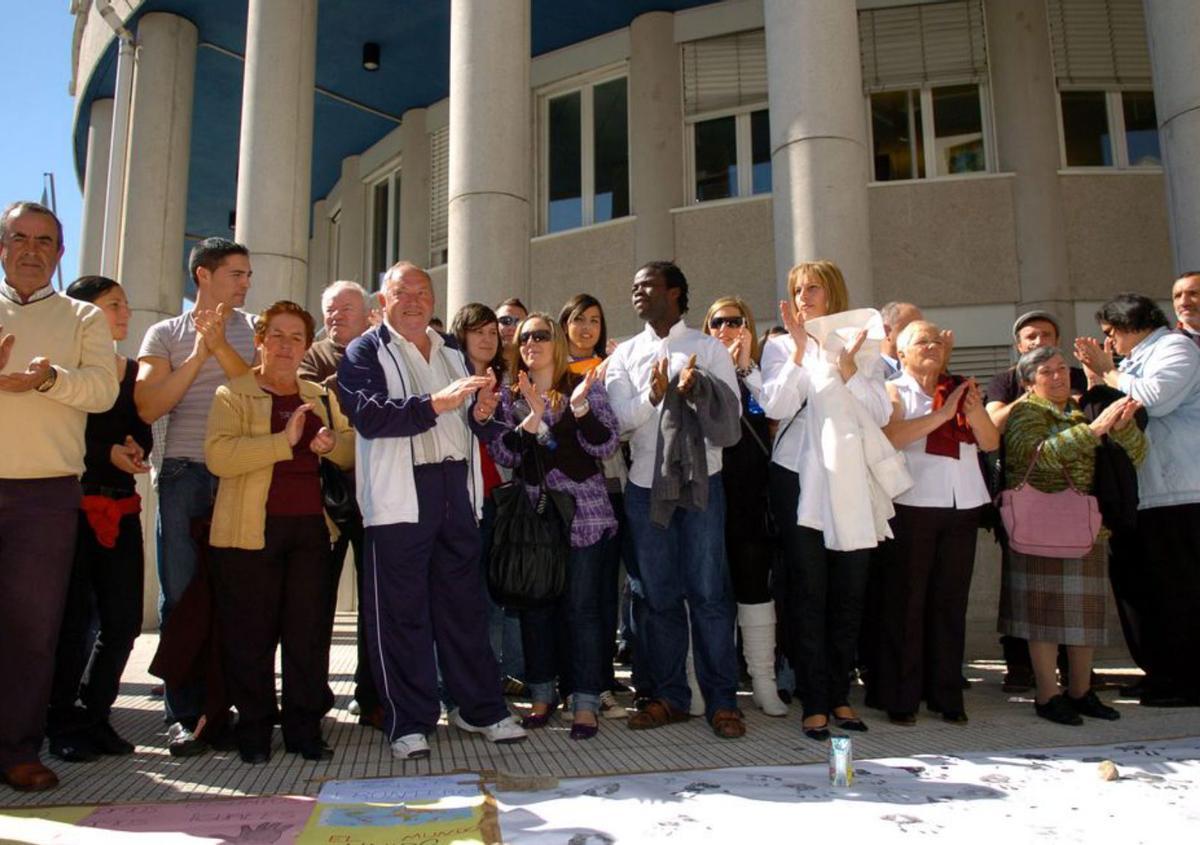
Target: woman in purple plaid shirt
[(561, 423)]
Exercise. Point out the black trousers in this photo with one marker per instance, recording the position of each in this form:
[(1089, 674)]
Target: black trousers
[(1131, 592), (824, 603), (1170, 543), (924, 609), (115, 578), (277, 595), (364, 682), (38, 519)]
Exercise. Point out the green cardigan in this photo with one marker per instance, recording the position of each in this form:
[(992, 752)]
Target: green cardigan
[(1066, 441)]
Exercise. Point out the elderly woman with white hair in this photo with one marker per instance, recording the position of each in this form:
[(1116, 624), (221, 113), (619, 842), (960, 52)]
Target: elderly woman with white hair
[(940, 424)]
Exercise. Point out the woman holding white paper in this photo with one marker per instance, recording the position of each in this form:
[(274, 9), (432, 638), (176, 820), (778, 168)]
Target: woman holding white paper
[(823, 381)]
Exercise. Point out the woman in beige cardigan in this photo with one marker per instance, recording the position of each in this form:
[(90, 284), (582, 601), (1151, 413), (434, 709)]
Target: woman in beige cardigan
[(270, 539)]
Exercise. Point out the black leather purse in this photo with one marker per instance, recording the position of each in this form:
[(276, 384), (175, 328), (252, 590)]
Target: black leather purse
[(337, 493), (530, 545)]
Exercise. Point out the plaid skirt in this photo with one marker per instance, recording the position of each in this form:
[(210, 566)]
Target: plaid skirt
[(1055, 600)]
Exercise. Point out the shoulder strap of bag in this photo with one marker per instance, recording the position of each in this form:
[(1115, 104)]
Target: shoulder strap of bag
[(750, 430), (1033, 460)]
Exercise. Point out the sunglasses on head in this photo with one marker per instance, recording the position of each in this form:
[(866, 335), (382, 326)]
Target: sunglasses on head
[(716, 323), (537, 336), (508, 320)]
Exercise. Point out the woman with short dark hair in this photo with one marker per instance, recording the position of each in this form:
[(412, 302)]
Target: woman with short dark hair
[(267, 432), (1161, 370)]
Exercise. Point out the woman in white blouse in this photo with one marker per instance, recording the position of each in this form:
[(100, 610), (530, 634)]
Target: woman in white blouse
[(825, 387), (940, 424)]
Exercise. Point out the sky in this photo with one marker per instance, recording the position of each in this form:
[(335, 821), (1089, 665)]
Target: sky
[(35, 42)]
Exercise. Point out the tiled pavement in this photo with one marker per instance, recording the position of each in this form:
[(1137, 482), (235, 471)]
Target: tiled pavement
[(998, 722)]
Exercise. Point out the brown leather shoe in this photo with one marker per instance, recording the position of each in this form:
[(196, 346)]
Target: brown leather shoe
[(30, 777), (656, 714), (728, 724)]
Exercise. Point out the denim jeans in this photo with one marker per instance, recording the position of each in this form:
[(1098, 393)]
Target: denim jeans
[(686, 562), (575, 652), (186, 490)]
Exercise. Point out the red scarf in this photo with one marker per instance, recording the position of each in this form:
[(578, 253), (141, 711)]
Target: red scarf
[(945, 439), (104, 515)]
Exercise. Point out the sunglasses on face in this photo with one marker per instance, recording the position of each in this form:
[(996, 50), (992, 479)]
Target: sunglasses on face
[(537, 336), (508, 320), (717, 323)]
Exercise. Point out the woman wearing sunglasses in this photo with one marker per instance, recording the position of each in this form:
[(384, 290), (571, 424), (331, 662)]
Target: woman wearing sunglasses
[(560, 426), (749, 539)]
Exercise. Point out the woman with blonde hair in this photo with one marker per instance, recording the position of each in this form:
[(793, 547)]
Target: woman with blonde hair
[(750, 535), (560, 426), (823, 381)]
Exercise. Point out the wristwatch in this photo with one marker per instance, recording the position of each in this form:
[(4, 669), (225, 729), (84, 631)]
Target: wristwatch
[(45, 386), (745, 371)]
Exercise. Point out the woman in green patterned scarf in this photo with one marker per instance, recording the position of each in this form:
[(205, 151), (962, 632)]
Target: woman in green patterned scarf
[(1055, 600)]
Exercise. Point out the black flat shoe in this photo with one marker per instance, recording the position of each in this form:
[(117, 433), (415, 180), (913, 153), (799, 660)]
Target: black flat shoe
[(955, 717), (820, 733), (1090, 705), (106, 740), (849, 723), (315, 750), (254, 755), (1058, 710), (73, 748), (906, 720)]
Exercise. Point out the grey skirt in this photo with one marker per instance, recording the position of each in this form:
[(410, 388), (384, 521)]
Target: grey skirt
[(1055, 600)]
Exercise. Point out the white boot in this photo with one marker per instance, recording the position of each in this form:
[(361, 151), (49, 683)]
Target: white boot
[(757, 622), (697, 706)]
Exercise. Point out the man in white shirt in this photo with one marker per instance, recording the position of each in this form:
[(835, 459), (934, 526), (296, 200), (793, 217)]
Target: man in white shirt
[(685, 560)]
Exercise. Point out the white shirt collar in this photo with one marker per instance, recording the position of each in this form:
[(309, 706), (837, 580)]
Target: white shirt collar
[(9, 292), (677, 328)]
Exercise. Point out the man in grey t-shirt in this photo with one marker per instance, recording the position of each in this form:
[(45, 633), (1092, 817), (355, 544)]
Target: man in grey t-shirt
[(182, 362)]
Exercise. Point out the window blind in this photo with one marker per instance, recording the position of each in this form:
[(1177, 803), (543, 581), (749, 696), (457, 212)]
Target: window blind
[(724, 72), (909, 46), (980, 362), (439, 188), (1099, 42)]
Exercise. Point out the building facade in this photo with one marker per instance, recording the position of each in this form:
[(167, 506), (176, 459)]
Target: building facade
[(977, 157)]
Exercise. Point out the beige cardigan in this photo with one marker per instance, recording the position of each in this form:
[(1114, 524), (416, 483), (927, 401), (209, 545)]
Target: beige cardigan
[(241, 450)]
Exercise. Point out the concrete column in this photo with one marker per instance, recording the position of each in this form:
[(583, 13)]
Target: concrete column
[(351, 259), (1172, 28), (274, 196), (318, 258), (819, 156), (1025, 99), (414, 188), (655, 134), (151, 255), (95, 186), (490, 159)]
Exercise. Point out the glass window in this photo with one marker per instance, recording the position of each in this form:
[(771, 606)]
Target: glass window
[(566, 158), (395, 256), (958, 130), (1085, 129), (716, 159), (1141, 128), (760, 152), (896, 129), (379, 229), (610, 136)]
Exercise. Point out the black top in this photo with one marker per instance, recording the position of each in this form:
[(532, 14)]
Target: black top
[(744, 471), (110, 429), (1006, 387)]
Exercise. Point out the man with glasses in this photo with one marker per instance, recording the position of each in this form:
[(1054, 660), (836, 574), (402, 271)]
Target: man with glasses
[(678, 522), (407, 390), (56, 367), (510, 313)]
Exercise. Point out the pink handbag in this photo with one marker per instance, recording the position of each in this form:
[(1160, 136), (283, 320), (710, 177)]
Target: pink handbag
[(1063, 524)]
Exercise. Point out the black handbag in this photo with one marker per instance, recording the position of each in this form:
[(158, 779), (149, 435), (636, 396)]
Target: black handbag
[(337, 494), (530, 544)]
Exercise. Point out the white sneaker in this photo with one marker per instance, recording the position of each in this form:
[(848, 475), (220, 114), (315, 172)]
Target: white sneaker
[(353, 708), (610, 708), (506, 730), (410, 747)]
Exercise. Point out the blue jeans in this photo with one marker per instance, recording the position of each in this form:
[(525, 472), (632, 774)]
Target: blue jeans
[(186, 490), (686, 561), (576, 653)]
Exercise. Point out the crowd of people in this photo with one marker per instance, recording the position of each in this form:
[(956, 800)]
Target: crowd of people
[(803, 504)]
